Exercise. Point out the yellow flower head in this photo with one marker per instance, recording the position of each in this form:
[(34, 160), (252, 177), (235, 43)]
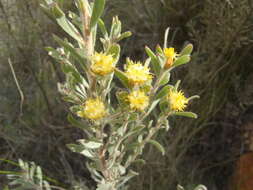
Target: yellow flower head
[(102, 64), (93, 109), (138, 100), (137, 73), (170, 54), (178, 101)]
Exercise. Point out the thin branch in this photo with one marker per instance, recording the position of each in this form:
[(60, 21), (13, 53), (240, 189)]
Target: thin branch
[(18, 86)]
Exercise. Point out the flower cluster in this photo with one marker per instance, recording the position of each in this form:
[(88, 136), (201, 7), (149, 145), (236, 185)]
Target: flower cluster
[(102, 64), (170, 55), (138, 100), (93, 109), (178, 101), (137, 73)]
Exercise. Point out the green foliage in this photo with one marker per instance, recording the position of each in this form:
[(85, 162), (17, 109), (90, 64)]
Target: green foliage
[(131, 130), (220, 70), (29, 178)]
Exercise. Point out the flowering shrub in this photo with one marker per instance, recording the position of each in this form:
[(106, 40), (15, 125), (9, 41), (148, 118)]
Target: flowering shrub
[(146, 92)]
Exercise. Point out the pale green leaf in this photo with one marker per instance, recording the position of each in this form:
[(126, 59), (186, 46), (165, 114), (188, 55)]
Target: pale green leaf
[(187, 50), (182, 60), (102, 27), (90, 144), (122, 77), (158, 146), (97, 11), (186, 114), (154, 61), (163, 92)]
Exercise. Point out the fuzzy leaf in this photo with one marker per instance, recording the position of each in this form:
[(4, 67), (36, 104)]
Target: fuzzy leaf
[(153, 105), (125, 35), (68, 27), (115, 51), (107, 186), (90, 144), (187, 50), (165, 79), (154, 61), (75, 147), (193, 97), (163, 92), (75, 54), (97, 11), (182, 60), (102, 27), (158, 146), (122, 77), (75, 122), (186, 114)]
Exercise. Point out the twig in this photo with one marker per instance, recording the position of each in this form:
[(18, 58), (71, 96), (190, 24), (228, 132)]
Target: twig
[(18, 86)]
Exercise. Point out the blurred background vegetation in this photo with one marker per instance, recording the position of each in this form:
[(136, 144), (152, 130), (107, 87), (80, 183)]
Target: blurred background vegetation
[(198, 151)]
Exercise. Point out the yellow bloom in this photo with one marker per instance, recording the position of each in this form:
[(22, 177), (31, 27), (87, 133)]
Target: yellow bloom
[(138, 100), (170, 54), (178, 101), (137, 73), (102, 64), (93, 109)]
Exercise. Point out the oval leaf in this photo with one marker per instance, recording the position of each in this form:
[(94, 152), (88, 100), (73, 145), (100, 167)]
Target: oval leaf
[(187, 50), (182, 60)]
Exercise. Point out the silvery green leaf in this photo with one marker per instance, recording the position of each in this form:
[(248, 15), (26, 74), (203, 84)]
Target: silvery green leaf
[(46, 185), (182, 60), (122, 169), (159, 49), (153, 105), (163, 92), (165, 78), (141, 161), (79, 57), (39, 175), (90, 144), (21, 163), (166, 37), (122, 77), (97, 11), (200, 187), (179, 187), (126, 178), (115, 51), (164, 105), (102, 27), (177, 84), (87, 153), (154, 61), (158, 146), (32, 170), (115, 28), (186, 114), (75, 147), (124, 35), (77, 123), (68, 27), (107, 186), (187, 50), (193, 97), (147, 62)]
